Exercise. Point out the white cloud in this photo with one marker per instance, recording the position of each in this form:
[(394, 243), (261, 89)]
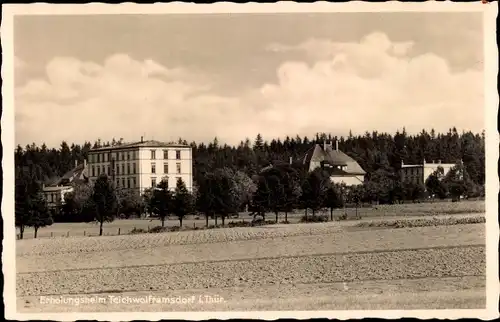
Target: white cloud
[(372, 85), (364, 86)]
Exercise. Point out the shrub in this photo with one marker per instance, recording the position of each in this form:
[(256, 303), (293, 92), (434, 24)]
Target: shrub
[(320, 218), (138, 231), (284, 222), (158, 229), (423, 222)]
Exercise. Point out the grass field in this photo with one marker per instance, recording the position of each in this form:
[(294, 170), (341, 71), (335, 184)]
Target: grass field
[(380, 211), (316, 266)]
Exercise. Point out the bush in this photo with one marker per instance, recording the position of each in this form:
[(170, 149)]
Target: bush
[(423, 222), (158, 229), (284, 222), (320, 218), (342, 217), (138, 231)]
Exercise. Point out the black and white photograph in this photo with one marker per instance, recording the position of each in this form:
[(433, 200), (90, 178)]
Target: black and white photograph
[(250, 160)]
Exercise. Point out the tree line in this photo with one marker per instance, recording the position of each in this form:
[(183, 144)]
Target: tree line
[(230, 179)]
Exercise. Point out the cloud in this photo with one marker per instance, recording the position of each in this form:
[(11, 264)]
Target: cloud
[(122, 97), (372, 85), (361, 86)]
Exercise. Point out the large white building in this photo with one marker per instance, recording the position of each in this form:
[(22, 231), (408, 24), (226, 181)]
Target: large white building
[(143, 164)]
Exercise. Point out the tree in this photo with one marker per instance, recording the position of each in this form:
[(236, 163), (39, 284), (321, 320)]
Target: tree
[(205, 201), (182, 201), (457, 180), (226, 195), (261, 200), (435, 185), (355, 196), (129, 202), (161, 202), (40, 214), (26, 192), (314, 190), (333, 199), (104, 200)]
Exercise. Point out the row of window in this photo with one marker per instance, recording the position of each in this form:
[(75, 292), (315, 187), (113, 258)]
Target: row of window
[(126, 183), (154, 182), (165, 168), (98, 170), (53, 197), (165, 154), (126, 155)]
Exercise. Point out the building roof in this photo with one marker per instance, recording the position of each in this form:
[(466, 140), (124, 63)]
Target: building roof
[(56, 188), (335, 157), (141, 144), (80, 172)]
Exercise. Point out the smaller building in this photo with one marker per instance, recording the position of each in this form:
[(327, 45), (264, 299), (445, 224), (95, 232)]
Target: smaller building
[(342, 168), (418, 173), (54, 193)]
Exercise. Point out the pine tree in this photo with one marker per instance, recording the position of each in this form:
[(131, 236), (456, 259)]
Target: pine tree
[(40, 214), (104, 201), (182, 202), (161, 202)]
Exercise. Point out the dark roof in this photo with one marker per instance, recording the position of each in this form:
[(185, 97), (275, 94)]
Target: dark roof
[(332, 157), (142, 144), (80, 172)]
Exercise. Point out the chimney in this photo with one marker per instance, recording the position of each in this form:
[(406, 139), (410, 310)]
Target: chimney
[(142, 139), (291, 160), (76, 163), (336, 145), (402, 163), (424, 161), (439, 161)]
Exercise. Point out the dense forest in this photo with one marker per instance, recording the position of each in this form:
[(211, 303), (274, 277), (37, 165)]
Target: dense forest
[(373, 151)]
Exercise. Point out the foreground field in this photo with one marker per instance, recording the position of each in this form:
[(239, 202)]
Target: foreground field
[(279, 267), (123, 227)]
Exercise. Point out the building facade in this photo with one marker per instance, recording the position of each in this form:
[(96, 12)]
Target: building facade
[(418, 173), (141, 165), (342, 168)]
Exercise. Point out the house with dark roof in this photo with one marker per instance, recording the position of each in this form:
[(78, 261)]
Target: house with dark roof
[(54, 192), (342, 168)]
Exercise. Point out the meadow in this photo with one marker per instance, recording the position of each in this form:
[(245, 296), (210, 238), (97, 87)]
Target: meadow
[(125, 226)]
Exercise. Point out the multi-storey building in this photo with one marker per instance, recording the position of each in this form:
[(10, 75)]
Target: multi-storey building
[(143, 164), (55, 191), (418, 173)]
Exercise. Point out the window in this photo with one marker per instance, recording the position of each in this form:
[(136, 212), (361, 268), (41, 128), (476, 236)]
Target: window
[(93, 171), (128, 168), (103, 170), (128, 155), (133, 168), (117, 182), (123, 183), (165, 154), (98, 170), (117, 169), (153, 182), (134, 181), (178, 167), (109, 172), (153, 168), (178, 154), (165, 167), (123, 168), (128, 183), (153, 154), (98, 158)]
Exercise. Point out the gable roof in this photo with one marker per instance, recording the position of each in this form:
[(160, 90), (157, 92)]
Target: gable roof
[(333, 157), (80, 172), (141, 144)]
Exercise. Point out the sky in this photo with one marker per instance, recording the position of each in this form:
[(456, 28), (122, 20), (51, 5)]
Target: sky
[(232, 76)]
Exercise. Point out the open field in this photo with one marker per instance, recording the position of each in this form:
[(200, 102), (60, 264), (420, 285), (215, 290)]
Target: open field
[(381, 211), (278, 267)]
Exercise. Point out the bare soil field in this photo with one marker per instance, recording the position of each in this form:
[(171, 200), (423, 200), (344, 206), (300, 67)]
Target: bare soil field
[(279, 267)]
